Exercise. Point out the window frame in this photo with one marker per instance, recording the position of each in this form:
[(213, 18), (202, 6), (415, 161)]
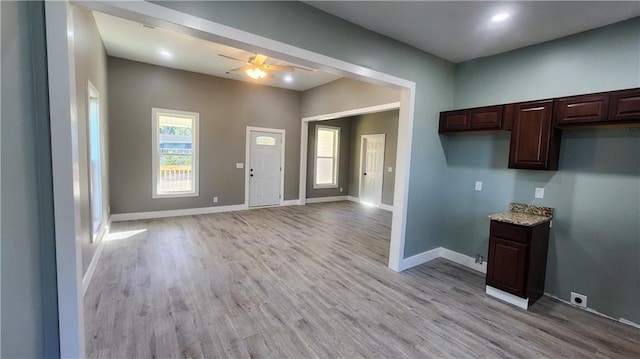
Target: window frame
[(336, 162), (155, 164), (96, 231)]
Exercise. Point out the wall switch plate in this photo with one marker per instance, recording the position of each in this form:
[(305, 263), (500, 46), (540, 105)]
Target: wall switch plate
[(239, 165), (579, 299), (340, 189), (539, 192), (389, 169), (478, 186), (215, 199)]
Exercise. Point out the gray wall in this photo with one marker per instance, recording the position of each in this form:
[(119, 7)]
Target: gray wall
[(91, 64), (28, 280), (226, 108), (344, 162), (375, 123), (303, 26), (345, 94), (595, 239)]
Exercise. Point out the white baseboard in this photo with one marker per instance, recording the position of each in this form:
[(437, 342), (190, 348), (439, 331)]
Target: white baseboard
[(326, 199), (591, 310), (445, 253), (420, 258), (88, 276), (176, 213), (507, 297), (386, 207), (462, 259), (119, 217)]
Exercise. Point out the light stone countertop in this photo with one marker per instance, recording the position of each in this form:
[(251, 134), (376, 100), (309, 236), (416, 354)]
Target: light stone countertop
[(521, 219), (524, 215)]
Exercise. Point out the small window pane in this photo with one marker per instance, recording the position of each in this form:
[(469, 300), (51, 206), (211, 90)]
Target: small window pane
[(324, 171), (265, 141), (326, 143)]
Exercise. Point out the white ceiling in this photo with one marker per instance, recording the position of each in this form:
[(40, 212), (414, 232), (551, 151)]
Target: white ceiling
[(462, 30), (131, 40)]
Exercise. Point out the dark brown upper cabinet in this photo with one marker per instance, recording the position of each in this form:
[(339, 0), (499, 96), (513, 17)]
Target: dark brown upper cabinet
[(581, 110), (475, 119), (625, 106), (535, 143), (454, 121)]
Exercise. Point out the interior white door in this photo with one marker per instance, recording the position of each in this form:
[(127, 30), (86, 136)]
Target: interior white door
[(372, 168), (265, 168)]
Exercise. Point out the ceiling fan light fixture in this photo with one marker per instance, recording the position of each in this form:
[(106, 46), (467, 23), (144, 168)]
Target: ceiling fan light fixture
[(256, 73)]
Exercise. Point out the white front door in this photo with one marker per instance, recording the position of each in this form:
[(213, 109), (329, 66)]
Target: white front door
[(265, 168), (372, 169)]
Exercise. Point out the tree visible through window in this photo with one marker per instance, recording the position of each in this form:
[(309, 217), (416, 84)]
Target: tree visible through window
[(175, 153), (326, 159)]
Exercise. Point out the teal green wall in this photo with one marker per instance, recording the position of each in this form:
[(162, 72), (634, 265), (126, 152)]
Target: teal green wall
[(303, 26), (595, 239)]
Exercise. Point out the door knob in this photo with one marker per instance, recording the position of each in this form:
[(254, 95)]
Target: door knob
[(251, 175), (365, 173)]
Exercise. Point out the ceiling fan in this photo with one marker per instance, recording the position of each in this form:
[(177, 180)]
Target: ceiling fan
[(257, 68)]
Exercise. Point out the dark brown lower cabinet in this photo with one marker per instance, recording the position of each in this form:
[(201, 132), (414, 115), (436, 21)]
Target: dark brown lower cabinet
[(518, 259)]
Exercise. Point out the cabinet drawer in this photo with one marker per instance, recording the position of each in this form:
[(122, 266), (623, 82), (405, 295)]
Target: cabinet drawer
[(625, 105), (509, 231), (453, 121), (487, 118), (582, 109)]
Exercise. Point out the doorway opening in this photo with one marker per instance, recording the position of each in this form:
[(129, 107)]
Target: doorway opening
[(64, 136)]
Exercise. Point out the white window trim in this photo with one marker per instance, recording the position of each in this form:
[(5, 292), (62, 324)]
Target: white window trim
[(154, 151), (336, 164)]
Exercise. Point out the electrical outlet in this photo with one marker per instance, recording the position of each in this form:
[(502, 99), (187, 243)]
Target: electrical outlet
[(389, 169), (340, 189), (239, 165), (478, 186), (539, 192), (215, 199), (479, 259), (579, 299)]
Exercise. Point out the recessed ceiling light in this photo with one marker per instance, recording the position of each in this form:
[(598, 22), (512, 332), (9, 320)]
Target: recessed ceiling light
[(288, 79), (500, 17), (166, 54)]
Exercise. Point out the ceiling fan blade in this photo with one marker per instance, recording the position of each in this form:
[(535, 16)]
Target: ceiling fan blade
[(231, 58), (243, 68), (279, 68), (258, 60)]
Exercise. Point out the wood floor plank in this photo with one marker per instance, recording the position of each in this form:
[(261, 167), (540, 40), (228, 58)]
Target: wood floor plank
[(311, 282)]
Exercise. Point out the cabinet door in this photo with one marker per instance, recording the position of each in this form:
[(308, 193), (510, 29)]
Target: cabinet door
[(625, 105), (579, 110), (531, 137), (487, 118), (453, 121), (507, 265)]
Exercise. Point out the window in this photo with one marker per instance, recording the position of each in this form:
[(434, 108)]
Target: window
[(327, 144), (95, 159), (175, 153)]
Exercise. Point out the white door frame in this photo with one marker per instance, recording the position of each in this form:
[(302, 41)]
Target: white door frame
[(247, 160), (64, 136), (362, 138)]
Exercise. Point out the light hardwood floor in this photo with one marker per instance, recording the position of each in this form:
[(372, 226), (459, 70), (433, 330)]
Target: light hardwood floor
[(312, 281)]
